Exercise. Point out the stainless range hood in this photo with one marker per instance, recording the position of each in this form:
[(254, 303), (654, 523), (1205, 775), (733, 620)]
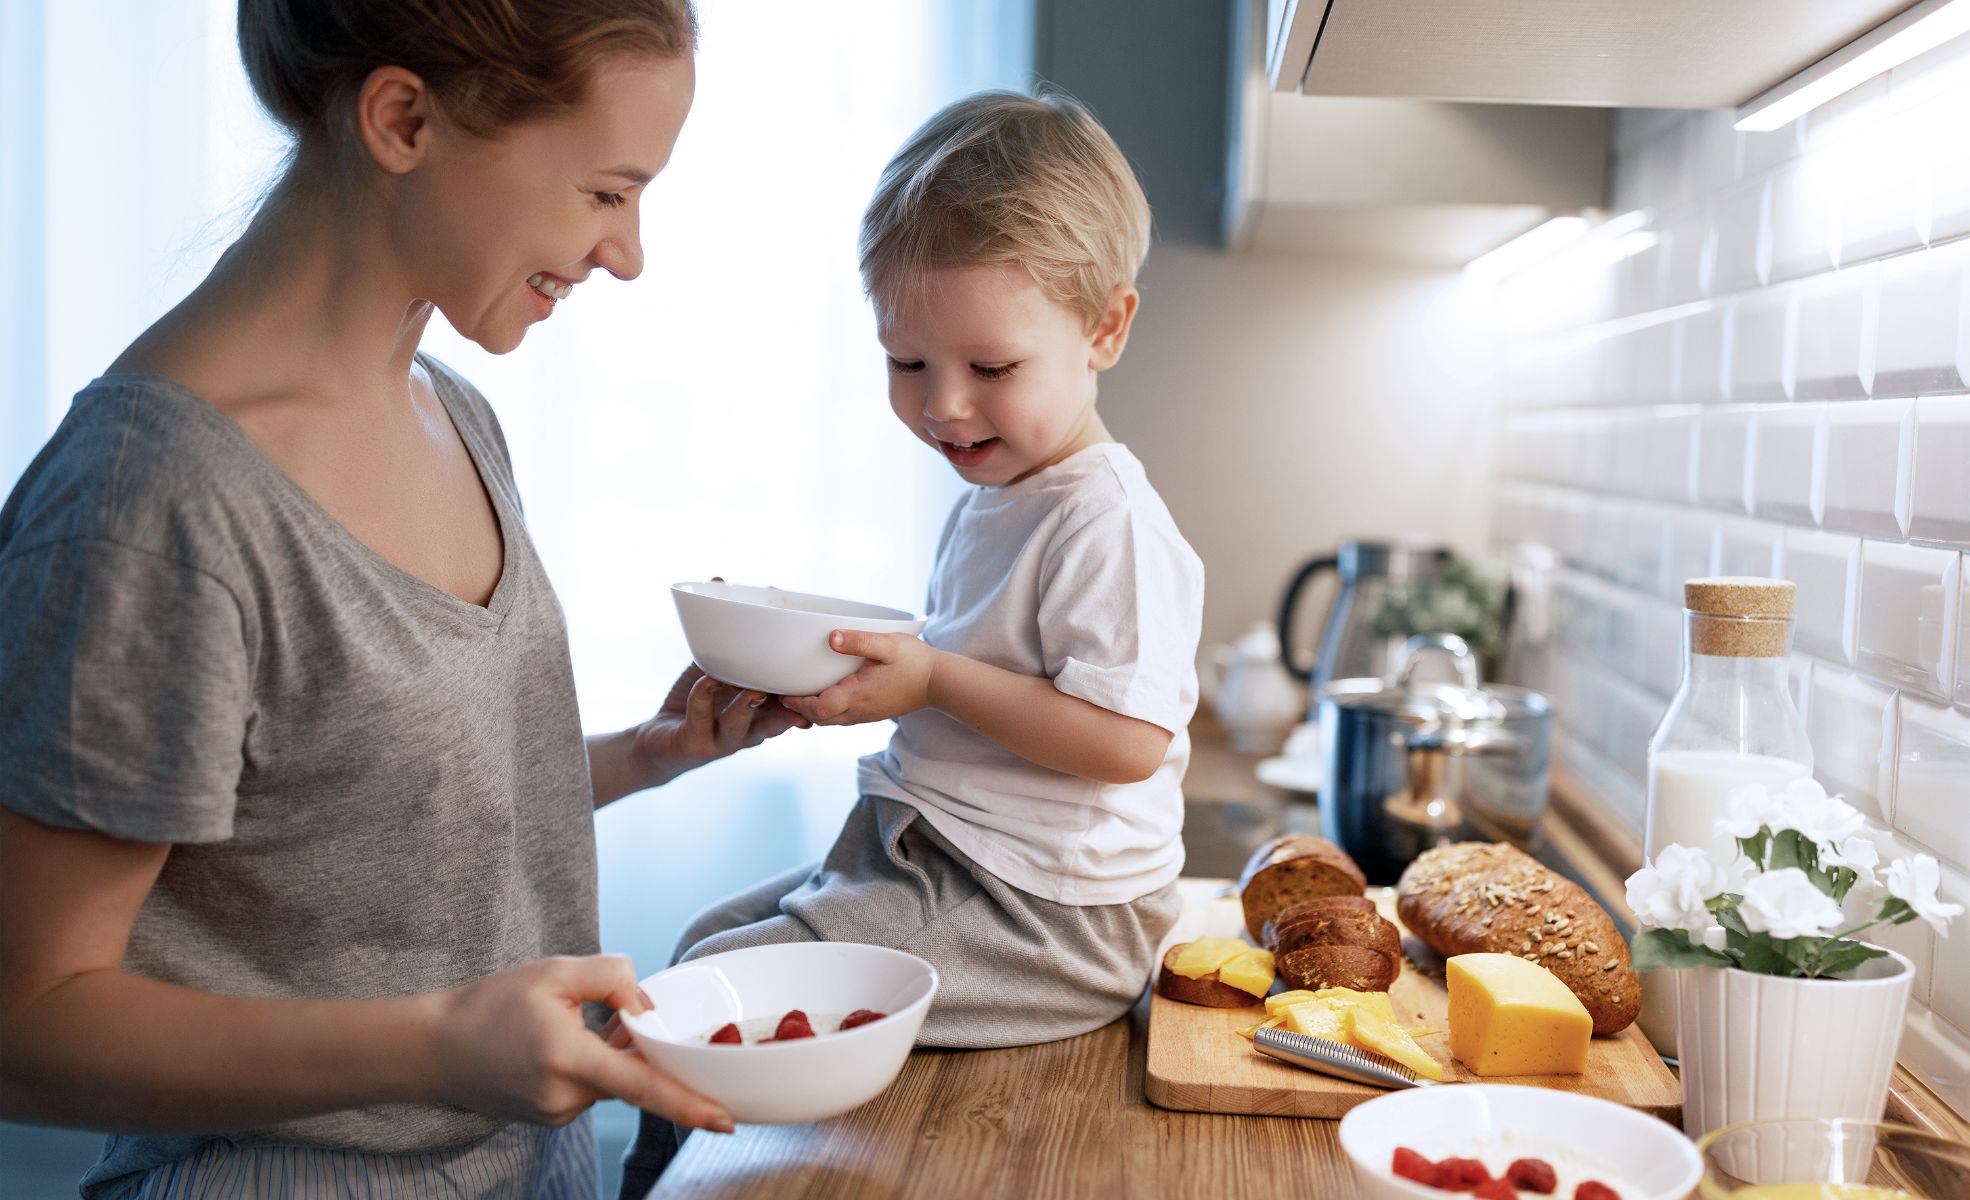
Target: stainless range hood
[(1603, 53)]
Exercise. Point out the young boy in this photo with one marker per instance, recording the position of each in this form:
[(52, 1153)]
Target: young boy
[(1022, 832)]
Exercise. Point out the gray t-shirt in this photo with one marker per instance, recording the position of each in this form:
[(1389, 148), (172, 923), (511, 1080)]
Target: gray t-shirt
[(371, 787)]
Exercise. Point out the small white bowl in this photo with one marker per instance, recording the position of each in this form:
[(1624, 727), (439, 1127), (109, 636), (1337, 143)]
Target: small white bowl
[(774, 641), (1640, 1156), (784, 1083)]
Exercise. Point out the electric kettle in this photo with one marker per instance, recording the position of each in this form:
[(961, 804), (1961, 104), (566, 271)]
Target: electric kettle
[(1348, 646)]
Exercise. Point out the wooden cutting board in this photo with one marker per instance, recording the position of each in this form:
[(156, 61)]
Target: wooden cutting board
[(1198, 1063)]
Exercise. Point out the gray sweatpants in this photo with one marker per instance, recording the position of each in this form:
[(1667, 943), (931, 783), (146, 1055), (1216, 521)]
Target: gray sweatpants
[(1013, 969)]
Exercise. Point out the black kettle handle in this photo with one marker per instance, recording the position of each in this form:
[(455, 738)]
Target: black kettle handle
[(1287, 611)]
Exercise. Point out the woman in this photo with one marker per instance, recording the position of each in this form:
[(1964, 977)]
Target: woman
[(297, 860)]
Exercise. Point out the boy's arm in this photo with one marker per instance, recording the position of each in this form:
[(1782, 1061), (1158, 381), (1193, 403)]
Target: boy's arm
[(1026, 714)]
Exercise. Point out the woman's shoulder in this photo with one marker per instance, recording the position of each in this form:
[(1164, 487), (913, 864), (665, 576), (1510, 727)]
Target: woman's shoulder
[(141, 461)]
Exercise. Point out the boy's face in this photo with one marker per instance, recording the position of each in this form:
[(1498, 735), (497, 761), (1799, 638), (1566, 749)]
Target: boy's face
[(993, 373)]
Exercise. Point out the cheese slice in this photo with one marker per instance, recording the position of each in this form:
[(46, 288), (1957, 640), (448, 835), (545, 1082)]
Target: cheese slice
[(1513, 1017), (1250, 971), (1197, 959)]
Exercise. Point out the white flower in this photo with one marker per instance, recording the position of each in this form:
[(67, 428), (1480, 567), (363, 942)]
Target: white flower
[(1823, 819), (1670, 892), (1913, 881), (1785, 904), (1750, 807)]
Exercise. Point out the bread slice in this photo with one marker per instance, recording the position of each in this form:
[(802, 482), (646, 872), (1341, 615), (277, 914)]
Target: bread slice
[(1370, 929), (1490, 897), (1363, 968), (1207, 990), (1324, 906), (1294, 868)]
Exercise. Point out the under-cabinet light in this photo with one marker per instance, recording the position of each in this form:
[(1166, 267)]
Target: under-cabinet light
[(1534, 243), (1887, 46)]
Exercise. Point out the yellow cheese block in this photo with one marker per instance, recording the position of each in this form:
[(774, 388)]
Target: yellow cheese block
[(1250, 971), (1197, 959), (1513, 1017)]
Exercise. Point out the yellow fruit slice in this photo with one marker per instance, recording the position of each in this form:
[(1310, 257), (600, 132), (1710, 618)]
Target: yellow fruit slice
[(1385, 1037), (1250, 972), (1197, 959)]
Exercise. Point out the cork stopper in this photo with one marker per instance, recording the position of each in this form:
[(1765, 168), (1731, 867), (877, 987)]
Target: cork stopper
[(1735, 616)]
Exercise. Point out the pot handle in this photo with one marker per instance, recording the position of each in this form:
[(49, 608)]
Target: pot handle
[(1287, 610), (1443, 643)]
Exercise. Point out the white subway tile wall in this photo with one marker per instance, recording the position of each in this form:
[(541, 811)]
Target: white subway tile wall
[(1767, 371)]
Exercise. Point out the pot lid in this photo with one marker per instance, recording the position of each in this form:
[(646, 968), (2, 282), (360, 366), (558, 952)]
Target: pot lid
[(1464, 703)]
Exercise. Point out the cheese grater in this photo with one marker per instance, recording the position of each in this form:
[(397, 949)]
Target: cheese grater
[(1337, 1059)]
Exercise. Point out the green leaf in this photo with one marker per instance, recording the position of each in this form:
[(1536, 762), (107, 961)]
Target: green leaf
[(1843, 882), (1764, 958), (1791, 849), (1724, 908), (1897, 910), (1845, 956), (1754, 846), (1671, 949)]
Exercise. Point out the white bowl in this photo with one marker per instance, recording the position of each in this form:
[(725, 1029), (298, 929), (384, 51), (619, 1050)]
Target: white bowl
[(1640, 1156), (782, 1083), (775, 641)]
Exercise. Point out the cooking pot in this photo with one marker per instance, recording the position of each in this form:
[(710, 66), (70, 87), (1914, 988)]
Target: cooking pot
[(1412, 765)]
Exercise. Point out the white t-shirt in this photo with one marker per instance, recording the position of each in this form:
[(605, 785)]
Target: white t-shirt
[(1077, 574)]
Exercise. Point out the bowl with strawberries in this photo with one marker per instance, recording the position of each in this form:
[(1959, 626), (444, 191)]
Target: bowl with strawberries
[(789, 1033), (1512, 1142)]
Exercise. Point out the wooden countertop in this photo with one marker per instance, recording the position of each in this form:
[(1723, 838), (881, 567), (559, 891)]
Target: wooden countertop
[(1069, 1119)]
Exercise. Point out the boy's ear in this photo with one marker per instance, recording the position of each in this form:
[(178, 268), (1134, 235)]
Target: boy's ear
[(393, 118), (1111, 332)]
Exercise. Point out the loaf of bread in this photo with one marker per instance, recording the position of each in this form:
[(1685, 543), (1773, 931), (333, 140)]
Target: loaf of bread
[(1209, 990), (1291, 869), (1475, 897)]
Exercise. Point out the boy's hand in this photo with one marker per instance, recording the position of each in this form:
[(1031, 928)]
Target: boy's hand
[(894, 679)]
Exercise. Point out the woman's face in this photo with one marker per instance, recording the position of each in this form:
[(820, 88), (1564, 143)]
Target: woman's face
[(498, 230)]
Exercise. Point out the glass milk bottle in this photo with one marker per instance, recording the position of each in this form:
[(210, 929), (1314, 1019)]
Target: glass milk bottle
[(1732, 722)]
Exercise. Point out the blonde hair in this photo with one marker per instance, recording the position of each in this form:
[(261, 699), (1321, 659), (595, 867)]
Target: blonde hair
[(490, 63), (1001, 177)]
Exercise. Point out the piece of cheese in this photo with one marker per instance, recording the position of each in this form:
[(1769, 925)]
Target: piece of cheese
[(1250, 971), (1509, 1016), (1250, 1032), (1274, 1005), (1197, 959), (1384, 1036), (1320, 1018), (1375, 1002)]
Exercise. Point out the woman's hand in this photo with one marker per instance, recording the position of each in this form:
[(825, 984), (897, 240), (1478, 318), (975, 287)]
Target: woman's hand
[(513, 1045), (894, 679), (700, 721), (703, 719)]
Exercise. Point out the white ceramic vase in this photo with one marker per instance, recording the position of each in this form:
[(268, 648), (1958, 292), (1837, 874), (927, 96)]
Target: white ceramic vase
[(1756, 1046)]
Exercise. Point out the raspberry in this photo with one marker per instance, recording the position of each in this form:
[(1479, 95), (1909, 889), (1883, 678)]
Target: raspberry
[(1461, 1174), (1595, 1190), (1532, 1174), (793, 1025), (727, 1035), (861, 1016), (1410, 1165), (1496, 1189)]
